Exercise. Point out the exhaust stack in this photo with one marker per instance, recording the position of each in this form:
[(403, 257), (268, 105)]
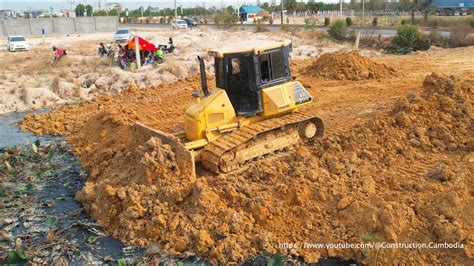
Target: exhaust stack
[(202, 69)]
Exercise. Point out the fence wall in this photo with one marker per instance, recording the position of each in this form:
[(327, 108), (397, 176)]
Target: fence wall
[(64, 25), (35, 26)]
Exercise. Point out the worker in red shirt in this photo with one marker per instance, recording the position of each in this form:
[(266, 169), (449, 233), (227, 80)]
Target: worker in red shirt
[(58, 54)]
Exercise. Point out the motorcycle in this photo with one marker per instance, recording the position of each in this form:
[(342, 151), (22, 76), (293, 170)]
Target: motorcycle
[(125, 57), (169, 48), (107, 51), (122, 59), (111, 53)]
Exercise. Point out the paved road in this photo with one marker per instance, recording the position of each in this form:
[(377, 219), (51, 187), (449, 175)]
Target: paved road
[(371, 31)]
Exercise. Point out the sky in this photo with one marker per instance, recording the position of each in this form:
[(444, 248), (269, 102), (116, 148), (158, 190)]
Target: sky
[(130, 4)]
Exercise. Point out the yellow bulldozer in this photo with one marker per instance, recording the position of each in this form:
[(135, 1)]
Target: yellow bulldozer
[(253, 111)]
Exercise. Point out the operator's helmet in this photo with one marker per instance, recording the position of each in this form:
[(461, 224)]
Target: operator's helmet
[(108, 45)]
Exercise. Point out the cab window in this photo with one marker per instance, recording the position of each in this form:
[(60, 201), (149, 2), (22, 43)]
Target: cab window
[(271, 66), (235, 63), (219, 69)]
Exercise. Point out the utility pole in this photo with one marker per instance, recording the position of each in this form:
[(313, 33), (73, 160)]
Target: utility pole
[(71, 2), (137, 52), (340, 9), (51, 17), (281, 13), (363, 13), (175, 12)]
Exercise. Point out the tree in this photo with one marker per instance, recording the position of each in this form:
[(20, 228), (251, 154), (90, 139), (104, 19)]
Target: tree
[(291, 5), (225, 18), (265, 6), (80, 10), (230, 10), (89, 10), (376, 5), (213, 10), (300, 6), (428, 8)]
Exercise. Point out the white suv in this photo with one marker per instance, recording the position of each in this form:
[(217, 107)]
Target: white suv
[(17, 43), (179, 24)]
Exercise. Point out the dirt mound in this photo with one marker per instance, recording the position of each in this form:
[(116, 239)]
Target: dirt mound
[(348, 66), (404, 176), (132, 104)]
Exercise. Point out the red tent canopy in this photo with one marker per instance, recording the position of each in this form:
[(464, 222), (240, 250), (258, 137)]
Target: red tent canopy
[(144, 45)]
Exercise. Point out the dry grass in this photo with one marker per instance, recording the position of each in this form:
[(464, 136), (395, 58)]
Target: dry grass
[(55, 85), (313, 37)]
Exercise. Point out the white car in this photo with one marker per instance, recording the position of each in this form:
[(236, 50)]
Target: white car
[(179, 24), (17, 43), (122, 35)]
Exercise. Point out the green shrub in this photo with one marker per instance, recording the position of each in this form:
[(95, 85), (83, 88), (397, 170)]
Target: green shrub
[(349, 21), (406, 36), (285, 27), (338, 30), (375, 22), (404, 22), (409, 39), (327, 21), (472, 23)]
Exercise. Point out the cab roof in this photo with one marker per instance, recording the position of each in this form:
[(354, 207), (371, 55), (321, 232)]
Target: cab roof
[(255, 47)]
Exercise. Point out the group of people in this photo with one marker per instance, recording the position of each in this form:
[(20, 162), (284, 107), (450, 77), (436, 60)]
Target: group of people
[(106, 50), (126, 55)]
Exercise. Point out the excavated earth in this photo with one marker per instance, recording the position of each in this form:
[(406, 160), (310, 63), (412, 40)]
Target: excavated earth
[(348, 66), (396, 165)]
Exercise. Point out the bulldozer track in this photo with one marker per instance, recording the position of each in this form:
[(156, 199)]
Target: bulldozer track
[(213, 152)]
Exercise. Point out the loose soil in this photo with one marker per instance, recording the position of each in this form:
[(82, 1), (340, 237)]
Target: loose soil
[(391, 168), (348, 66)]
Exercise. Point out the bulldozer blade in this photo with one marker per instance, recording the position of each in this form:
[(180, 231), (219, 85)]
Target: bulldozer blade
[(184, 157)]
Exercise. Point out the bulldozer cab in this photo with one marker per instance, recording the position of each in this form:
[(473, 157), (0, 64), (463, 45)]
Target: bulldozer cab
[(244, 69)]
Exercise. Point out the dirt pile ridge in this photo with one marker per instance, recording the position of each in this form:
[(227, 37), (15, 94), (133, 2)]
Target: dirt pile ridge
[(145, 105), (405, 176), (348, 66)]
